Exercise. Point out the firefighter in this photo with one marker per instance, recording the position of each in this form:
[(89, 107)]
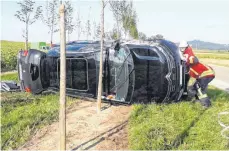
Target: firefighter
[(202, 73)]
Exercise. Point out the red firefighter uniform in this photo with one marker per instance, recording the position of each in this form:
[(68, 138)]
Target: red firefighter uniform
[(197, 69)]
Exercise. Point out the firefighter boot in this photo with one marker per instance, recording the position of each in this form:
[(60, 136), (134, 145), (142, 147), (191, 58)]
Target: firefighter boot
[(202, 97), (205, 102)]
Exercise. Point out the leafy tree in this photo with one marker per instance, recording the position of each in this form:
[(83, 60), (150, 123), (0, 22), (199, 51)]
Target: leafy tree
[(159, 36), (50, 18), (155, 38), (97, 30), (69, 26), (88, 28), (118, 8), (129, 20), (126, 16), (78, 26), (142, 36), (28, 14)]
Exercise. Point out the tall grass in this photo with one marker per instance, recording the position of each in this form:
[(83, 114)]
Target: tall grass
[(182, 125)]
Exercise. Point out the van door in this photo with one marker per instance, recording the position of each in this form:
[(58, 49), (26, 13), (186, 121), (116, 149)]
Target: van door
[(121, 76), (30, 70)]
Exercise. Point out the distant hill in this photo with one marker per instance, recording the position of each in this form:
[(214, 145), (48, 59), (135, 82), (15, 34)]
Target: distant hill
[(207, 45)]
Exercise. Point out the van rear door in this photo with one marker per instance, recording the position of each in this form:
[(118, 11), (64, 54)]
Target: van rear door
[(29, 70)]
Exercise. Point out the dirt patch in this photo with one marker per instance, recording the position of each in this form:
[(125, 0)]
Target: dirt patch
[(86, 129)]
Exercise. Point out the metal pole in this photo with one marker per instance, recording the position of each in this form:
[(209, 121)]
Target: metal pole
[(101, 61), (62, 114)]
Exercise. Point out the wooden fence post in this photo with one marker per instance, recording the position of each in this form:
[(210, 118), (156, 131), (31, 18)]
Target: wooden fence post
[(62, 112)]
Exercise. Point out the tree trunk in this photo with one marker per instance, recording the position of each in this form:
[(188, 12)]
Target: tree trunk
[(101, 61), (62, 112), (78, 33), (52, 24), (26, 36), (68, 36), (51, 36), (118, 35)]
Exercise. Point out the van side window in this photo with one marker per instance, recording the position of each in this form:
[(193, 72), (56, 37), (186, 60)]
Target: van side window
[(34, 71), (79, 74)]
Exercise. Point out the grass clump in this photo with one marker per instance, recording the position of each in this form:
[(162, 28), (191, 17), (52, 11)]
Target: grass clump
[(23, 113), (184, 125)]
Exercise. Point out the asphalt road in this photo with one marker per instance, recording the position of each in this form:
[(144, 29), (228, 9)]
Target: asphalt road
[(222, 77)]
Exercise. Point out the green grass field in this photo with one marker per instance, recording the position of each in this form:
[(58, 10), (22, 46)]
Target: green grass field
[(183, 126), (9, 50), (23, 113)]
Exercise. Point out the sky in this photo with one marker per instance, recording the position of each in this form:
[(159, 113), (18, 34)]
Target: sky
[(177, 20)]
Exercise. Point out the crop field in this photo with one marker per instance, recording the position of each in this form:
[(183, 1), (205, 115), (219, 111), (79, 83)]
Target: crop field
[(215, 55), (183, 126), (9, 50)]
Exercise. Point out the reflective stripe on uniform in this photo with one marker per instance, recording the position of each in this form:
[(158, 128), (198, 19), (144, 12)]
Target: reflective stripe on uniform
[(208, 72), (191, 59), (194, 71), (203, 96)]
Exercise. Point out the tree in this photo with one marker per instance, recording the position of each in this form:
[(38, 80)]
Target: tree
[(142, 36), (88, 28), (50, 18), (78, 25), (118, 7), (28, 14), (97, 31), (126, 16), (129, 20), (155, 38), (69, 26), (159, 36)]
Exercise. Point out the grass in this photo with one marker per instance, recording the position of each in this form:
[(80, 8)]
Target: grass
[(23, 113), (10, 76), (184, 125)]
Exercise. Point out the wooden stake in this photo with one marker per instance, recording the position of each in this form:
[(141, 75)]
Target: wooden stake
[(62, 114), (101, 61)]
